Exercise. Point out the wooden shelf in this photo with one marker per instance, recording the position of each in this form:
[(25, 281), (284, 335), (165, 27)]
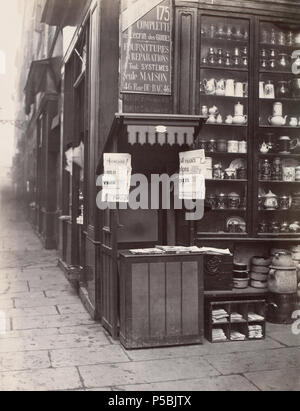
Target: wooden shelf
[(279, 46), (226, 210), (287, 99), (224, 97), (279, 127), (245, 70), (214, 180), (236, 42), (290, 155), (241, 306), (287, 236), (290, 210), (221, 154), (226, 125), (278, 182), (277, 72)]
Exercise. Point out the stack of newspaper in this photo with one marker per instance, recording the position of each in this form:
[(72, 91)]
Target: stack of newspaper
[(218, 335)]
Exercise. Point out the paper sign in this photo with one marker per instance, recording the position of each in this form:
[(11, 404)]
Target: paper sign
[(116, 178), (192, 175)]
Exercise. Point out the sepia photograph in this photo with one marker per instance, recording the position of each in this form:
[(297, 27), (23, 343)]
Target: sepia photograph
[(150, 198)]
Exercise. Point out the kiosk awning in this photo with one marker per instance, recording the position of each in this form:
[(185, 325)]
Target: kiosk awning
[(62, 13), (44, 76), (155, 129)]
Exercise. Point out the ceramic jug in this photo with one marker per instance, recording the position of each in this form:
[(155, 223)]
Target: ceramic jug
[(240, 89), (220, 87), (210, 86), (295, 145), (229, 88), (238, 109), (277, 109)]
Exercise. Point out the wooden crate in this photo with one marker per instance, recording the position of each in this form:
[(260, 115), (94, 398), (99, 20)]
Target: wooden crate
[(161, 300), (218, 272)]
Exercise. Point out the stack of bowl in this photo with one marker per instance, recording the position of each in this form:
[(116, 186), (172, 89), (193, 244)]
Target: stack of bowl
[(240, 275), (259, 272)]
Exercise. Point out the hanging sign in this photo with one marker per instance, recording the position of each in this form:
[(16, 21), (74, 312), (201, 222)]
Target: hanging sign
[(146, 47), (116, 178), (192, 175)]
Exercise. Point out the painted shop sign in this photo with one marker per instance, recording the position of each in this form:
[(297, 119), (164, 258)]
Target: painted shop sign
[(146, 47)]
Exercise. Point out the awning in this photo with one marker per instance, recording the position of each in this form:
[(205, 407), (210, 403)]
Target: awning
[(64, 13), (44, 76), (154, 129)]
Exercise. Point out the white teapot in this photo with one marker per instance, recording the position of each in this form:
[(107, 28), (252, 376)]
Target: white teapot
[(277, 120)]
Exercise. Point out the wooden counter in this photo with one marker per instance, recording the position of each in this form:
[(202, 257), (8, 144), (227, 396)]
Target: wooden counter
[(161, 300)]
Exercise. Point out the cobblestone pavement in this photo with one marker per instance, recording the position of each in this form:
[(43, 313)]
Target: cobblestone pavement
[(50, 342)]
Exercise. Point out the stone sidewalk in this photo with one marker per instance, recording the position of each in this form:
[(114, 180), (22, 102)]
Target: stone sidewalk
[(50, 342)]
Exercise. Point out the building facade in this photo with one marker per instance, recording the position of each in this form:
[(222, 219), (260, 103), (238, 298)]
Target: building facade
[(194, 67)]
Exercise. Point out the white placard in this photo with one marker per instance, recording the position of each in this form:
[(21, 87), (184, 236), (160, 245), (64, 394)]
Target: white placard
[(192, 175), (116, 177)]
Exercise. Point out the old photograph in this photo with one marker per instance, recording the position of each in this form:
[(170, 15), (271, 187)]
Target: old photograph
[(150, 198)]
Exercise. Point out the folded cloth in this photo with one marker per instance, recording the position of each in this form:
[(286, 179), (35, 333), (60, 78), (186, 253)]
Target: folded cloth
[(220, 320), (236, 317), (255, 317), (236, 336), (218, 335)]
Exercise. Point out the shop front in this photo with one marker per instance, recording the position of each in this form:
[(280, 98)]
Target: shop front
[(233, 69), (44, 138), (183, 76)]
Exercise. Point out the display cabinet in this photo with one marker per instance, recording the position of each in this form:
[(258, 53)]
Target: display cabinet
[(249, 87), (277, 152), (224, 98)]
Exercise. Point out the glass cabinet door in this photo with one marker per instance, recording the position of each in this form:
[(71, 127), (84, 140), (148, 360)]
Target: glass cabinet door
[(224, 98), (278, 132)]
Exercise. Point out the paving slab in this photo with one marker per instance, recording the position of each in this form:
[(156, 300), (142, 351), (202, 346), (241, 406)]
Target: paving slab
[(276, 380), (244, 362), (88, 356), (219, 383), (145, 372), (71, 308), (48, 342), (29, 312), (202, 350), (19, 361), (51, 321), (41, 302), (41, 380)]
